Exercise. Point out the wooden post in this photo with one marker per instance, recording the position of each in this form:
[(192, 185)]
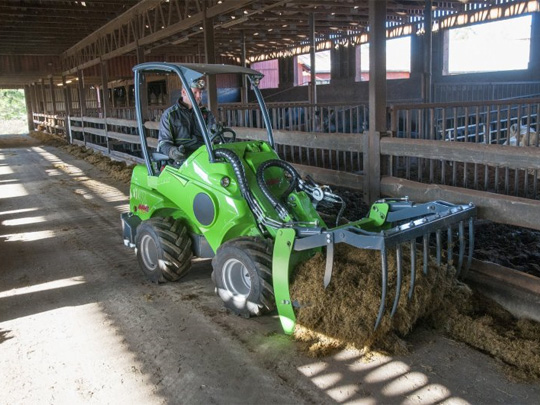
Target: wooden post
[(313, 76), (312, 58), (29, 110), (53, 95), (82, 96), (35, 103), (67, 96), (105, 99), (245, 84), (534, 59), (43, 97), (377, 99), (210, 56), (53, 101), (67, 100), (428, 52), (82, 100)]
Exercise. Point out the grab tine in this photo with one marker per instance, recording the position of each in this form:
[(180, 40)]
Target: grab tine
[(329, 261), (439, 246), (426, 249), (461, 247), (399, 262), (450, 248), (413, 268), (384, 266)]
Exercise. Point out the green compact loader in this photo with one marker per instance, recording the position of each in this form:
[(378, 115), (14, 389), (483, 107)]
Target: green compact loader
[(237, 202)]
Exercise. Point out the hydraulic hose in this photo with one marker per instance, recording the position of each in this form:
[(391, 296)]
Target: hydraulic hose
[(278, 206), (240, 174)]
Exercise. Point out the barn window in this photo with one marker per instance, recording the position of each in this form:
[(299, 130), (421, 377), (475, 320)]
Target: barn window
[(489, 47), (398, 59), (323, 71), (270, 70)]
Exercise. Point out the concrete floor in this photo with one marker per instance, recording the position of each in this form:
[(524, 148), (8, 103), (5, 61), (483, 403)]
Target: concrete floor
[(79, 323)]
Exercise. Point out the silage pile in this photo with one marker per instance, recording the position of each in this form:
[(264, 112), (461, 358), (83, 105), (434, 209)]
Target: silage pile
[(117, 170), (344, 314)]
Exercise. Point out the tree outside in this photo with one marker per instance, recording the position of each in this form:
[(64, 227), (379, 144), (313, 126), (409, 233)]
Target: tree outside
[(13, 118)]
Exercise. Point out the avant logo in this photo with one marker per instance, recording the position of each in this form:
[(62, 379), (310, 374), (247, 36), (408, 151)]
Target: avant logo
[(142, 207)]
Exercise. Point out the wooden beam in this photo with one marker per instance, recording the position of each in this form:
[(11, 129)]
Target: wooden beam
[(377, 97), (312, 45), (504, 155), (82, 96), (313, 140), (29, 108), (210, 57), (332, 177), (53, 95)]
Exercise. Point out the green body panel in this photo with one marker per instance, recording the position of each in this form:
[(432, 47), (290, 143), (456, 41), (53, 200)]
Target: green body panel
[(378, 214), (173, 193)]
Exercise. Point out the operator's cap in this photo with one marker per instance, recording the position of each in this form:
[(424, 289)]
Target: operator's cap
[(198, 84)]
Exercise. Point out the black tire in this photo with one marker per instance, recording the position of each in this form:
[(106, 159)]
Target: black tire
[(243, 276), (163, 249)]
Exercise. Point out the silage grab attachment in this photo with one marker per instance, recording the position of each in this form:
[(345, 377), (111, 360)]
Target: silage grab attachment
[(392, 224)]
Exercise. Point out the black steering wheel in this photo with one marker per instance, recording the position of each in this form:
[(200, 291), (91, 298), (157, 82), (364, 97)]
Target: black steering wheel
[(217, 134)]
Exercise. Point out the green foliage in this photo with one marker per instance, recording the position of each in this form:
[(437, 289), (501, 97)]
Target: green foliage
[(12, 105)]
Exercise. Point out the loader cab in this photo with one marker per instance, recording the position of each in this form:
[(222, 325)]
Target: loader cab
[(179, 75)]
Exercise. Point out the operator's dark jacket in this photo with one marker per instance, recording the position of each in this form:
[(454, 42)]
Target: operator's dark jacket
[(178, 126)]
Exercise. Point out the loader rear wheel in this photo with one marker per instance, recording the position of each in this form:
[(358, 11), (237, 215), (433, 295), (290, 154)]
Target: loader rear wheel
[(163, 249), (243, 276)]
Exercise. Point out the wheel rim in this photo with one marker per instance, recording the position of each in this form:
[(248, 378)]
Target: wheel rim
[(149, 252), (236, 278)]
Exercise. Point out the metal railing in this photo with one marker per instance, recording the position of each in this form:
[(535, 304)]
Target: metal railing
[(326, 118), (449, 92), (487, 123)]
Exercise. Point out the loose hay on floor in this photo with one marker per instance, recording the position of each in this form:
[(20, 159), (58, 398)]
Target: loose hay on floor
[(344, 314), (117, 170)]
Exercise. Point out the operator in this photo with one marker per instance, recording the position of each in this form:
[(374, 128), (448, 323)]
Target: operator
[(179, 134)]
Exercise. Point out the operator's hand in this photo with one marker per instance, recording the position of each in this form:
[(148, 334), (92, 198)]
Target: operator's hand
[(177, 153), (216, 128)]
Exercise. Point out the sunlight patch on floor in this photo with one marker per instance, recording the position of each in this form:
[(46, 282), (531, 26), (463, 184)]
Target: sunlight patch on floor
[(28, 236), (12, 191), (23, 221), (51, 285), (21, 211)]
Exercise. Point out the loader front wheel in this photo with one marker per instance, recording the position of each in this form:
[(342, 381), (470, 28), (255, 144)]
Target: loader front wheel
[(163, 249), (243, 276)]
